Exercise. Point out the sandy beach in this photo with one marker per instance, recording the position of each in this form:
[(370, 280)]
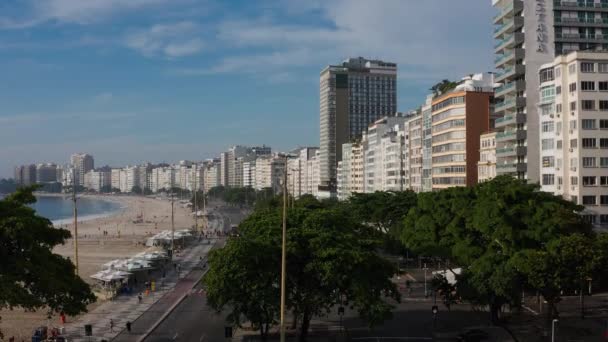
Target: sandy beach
[(124, 238)]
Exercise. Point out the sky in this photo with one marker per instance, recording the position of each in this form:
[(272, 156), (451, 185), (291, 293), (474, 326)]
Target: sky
[(167, 80)]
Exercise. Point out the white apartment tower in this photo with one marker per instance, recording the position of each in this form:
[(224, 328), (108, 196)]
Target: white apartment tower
[(574, 131), (353, 95), (82, 163), (529, 34)]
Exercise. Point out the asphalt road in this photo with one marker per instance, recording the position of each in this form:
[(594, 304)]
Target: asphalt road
[(192, 320)]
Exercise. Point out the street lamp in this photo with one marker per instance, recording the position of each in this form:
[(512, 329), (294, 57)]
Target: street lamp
[(425, 293), (283, 253), (555, 320)]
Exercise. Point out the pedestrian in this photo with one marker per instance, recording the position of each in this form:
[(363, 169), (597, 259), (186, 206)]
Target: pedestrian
[(128, 326), (139, 297), (111, 325), (62, 318)]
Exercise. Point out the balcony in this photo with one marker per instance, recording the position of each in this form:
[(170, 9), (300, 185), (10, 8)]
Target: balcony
[(580, 38), (510, 57), (587, 22), (509, 41), (511, 151), (510, 104), (510, 135), (510, 119), (508, 27), (510, 167), (578, 5), (509, 72), (509, 11), (509, 88)]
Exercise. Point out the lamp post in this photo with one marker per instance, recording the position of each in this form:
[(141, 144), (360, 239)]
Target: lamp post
[(283, 253), (75, 219), (172, 227), (195, 202), (555, 320), (425, 293)]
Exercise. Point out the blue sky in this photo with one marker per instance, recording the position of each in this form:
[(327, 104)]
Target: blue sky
[(164, 80)]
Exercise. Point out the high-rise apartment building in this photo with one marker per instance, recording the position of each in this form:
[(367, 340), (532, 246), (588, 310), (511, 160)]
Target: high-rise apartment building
[(82, 163), (269, 172), (530, 34), (459, 117), (46, 173), (353, 95), (351, 171), (573, 114), (211, 174), (25, 174)]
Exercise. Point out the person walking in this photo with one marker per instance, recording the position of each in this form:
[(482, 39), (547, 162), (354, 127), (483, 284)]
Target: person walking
[(139, 297), (128, 326), (111, 325)]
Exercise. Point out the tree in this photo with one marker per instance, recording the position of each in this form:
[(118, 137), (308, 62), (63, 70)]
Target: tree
[(383, 210), (443, 87), (31, 275), (331, 261), (136, 190), (106, 189), (243, 277)]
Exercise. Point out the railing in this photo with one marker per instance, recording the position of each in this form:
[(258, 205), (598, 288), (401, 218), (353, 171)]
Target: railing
[(582, 20), (504, 118), (504, 104), (503, 41), (506, 134), (503, 57), (579, 4), (506, 166), (504, 87), (581, 36), (505, 149), (505, 71), (507, 9)]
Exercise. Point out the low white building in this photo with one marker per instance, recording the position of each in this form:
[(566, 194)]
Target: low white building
[(98, 180), (486, 167)]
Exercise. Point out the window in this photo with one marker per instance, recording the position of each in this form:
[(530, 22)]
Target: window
[(602, 67), (572, 68), (588, 124), (548, 161), (558, 90), (547, 144), (589, 143), (587, 67), (589, 181), (548, 126), (603, 85), (604, 180), (589, 218), (573, 143), (588, 104), (603, 219), (574, 181), (572, 124), (546, 75), (572, 87), (558, 144), (548, 179), (587, 86), (573, 105), (603, 105), (603, 142), (589, 162), (604, 123), (589, 200), (603, 161), (558, 107), (573, 163), (604, 199)]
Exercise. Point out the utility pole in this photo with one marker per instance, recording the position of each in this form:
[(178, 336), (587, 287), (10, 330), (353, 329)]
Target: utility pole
[(75, 219), (283, 252), (172, 227), (195, 202)]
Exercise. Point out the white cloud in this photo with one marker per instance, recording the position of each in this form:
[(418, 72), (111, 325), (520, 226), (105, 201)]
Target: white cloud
[(168, 40)]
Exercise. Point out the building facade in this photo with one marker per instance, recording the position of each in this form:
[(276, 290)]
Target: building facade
[(486, 167), (573, 111), (82, 163), (353, 95)]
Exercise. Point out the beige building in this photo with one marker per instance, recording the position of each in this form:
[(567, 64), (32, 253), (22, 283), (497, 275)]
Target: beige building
[(486, 167), (269, 172), (573, 112), (351, 171)]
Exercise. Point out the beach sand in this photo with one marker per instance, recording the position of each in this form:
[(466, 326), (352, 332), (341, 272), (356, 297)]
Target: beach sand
[(124, 239)]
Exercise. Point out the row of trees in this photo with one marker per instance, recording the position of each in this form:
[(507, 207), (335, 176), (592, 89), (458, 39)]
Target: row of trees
[(246, 196), (331, 262), (505, 234)]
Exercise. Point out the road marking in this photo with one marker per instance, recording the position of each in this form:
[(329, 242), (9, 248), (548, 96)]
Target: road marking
[(175, 336), (410, 277), (529, 309), (405, 338)]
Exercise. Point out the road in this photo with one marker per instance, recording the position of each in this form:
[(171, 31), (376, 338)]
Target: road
[(192, 320)]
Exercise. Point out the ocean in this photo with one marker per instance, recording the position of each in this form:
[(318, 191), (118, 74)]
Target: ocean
[(59, 209)]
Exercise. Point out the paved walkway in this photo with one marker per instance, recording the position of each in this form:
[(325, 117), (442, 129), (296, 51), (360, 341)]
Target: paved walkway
[(125, 308)]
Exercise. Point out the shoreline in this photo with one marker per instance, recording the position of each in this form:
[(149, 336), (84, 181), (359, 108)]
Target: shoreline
[(123, 201)]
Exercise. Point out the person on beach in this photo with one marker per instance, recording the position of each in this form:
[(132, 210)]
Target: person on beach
[(128, 326)]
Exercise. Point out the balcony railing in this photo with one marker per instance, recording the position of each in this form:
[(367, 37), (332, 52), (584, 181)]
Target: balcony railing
[(504, 72), (503, 41), (503, 104), (581, 4), (506, 134), (508, 149), (505, 118), (582, 20), (504, 87), (503, 57)]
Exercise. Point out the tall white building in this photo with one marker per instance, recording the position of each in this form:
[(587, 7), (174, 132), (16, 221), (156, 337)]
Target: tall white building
[(98, 180), (353, 95), (269, 172), (212, 174), (82, 163), (486, 167), (573, 113)]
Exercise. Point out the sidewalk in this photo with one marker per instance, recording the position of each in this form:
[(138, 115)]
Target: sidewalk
[(125, 308)]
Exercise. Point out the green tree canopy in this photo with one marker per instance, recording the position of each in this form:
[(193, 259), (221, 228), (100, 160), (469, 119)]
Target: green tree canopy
[(331, 261), (31, 275)]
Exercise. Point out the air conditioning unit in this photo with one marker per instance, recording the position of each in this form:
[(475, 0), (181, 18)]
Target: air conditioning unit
[(571, 131), (572, 113), (571, 150), (559, 187), (558, 115), (557, 168), (551, 115), (573, 169)]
